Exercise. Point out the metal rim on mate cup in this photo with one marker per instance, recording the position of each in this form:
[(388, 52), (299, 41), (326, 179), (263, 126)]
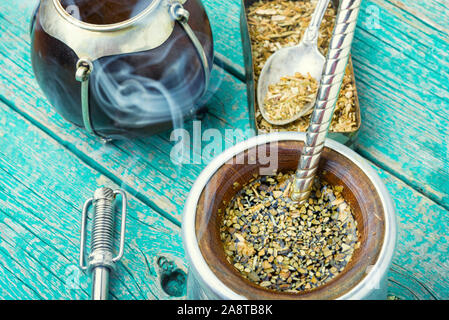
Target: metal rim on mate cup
[(204, 283)]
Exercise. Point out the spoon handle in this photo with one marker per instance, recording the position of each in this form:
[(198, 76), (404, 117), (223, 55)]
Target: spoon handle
[(331, 80), (312, 31)]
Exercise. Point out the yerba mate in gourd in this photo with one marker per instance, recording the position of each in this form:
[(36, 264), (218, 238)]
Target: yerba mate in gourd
[(281, 245)]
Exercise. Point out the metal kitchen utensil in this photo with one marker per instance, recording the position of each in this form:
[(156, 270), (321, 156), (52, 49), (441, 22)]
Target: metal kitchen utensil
[(303, 58), (101, 261), (331, 80)]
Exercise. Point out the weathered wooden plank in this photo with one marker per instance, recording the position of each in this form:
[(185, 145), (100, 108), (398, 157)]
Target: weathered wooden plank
[(414, 252), (42, 188), (403, 98), (415, 150), (432, 13), (11, 284), (225, 22)]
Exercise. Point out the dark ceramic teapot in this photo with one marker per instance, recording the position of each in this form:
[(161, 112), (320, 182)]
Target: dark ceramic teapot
[(122, 68)]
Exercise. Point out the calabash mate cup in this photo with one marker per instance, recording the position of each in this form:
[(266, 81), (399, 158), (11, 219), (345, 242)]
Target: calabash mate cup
[(122, 68), (213, 277), (347, 138)]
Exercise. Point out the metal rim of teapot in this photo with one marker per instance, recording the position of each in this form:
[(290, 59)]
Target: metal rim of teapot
[(104, 27), (203, 272)]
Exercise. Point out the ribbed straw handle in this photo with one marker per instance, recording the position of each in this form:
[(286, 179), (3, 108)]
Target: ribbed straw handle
[(331, 80)]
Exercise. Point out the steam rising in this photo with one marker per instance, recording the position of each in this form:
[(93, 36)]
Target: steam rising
[(136, 90), (135, 100)]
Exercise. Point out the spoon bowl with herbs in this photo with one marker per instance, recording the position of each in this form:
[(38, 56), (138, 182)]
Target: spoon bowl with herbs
[(288, 83)]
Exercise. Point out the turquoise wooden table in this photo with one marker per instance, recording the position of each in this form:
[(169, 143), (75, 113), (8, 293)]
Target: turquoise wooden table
[(48, 167)]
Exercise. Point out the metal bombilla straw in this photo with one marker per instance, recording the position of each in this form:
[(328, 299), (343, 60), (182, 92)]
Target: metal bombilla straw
[(330, 84), (101, 259)]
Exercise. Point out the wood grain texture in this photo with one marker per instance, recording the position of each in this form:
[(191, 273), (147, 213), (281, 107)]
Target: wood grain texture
[(47, 164), (403, 64), (42, 189), (225, 22)]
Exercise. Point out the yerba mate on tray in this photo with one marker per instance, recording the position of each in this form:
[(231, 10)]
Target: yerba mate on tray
[(275, 24), (289, 96), (283, 246)]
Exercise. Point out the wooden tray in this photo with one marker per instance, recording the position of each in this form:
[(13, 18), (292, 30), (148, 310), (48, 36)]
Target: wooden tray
[(346, 138)]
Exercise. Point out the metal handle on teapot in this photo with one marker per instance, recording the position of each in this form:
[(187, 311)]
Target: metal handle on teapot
[(331, 80)]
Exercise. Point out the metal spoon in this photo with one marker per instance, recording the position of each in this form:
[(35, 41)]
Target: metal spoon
[(328, 92), (303, 58)]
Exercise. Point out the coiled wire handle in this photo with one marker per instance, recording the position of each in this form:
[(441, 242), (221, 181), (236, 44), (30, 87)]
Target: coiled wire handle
[(331, 80), (101, 260)]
